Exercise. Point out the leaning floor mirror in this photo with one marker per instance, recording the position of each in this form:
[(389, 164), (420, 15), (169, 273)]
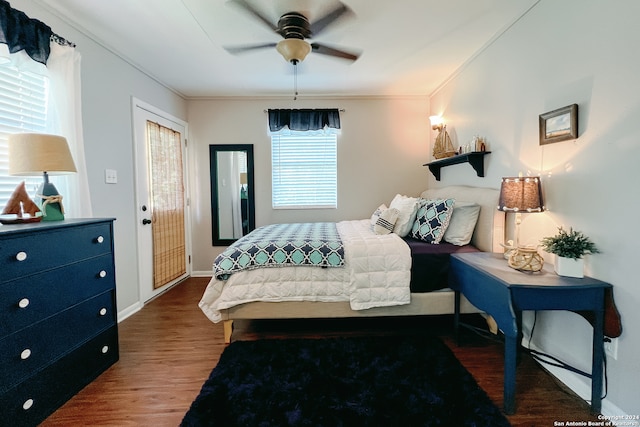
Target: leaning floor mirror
[(232, 192)]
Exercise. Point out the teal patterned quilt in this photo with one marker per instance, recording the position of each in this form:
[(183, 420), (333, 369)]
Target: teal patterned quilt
[(303, 244)]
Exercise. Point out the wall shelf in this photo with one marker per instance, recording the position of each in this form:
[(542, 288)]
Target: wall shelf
[(475, 159)]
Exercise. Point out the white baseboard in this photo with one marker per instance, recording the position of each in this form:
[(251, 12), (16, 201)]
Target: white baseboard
[(205, 273), (129, 311)]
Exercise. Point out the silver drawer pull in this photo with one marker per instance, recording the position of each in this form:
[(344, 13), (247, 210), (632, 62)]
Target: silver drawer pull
[(99, 239), (21, 256), (26, 353), (102, 274), (23, 303), (105, 349), (27, 404), (103, 311)]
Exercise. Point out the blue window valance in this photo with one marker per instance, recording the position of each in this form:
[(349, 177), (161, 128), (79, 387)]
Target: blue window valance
[(19, 32), (304, 119)]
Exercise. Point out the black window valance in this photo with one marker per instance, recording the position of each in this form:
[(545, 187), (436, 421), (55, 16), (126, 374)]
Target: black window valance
[(20, 32), (304, 119)]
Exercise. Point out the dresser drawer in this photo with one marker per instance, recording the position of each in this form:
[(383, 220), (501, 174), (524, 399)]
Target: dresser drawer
[(30, 402), (30, 349), (30, 299), (25, 254)]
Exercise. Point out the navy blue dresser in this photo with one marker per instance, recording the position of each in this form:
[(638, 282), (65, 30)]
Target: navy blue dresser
[(58, 326)]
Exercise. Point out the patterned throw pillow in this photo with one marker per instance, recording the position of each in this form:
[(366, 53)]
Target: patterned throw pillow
[(386, 221), (432, 220), (376, 214)]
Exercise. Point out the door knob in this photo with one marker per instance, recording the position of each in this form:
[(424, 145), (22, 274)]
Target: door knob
[(146, 221)]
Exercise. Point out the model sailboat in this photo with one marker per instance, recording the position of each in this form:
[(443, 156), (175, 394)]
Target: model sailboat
[(443, 146)]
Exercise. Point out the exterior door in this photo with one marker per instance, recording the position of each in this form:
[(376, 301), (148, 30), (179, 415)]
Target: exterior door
[(161, 200)]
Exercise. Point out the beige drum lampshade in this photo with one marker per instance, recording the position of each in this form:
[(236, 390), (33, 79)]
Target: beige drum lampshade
[(35, 153)]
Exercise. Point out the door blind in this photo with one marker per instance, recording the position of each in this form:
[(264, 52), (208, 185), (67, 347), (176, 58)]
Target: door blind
[(167, 206)]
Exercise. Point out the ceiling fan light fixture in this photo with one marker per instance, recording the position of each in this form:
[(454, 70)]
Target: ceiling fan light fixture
[(293, 50)]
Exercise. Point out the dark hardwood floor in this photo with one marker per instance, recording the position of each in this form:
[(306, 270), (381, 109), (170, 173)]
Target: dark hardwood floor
[(168, 349)]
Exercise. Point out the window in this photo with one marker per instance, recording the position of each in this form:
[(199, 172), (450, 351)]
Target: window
[(304, 171), (23, 107)]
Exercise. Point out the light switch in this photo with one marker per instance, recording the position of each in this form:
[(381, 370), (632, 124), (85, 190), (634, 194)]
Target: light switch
[(110, 176)]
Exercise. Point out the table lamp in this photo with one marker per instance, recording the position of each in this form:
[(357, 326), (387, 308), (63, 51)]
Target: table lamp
[(518, 195), (33, 154)]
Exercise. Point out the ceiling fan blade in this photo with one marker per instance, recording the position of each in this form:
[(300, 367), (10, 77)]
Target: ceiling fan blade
[(339, 53), (237, 50), (252, 11), (341, 11)]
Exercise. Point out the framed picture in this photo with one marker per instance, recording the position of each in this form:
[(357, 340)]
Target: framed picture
[(559, 125)]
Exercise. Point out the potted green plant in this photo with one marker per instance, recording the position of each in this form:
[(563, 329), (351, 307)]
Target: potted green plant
[(569, 248)]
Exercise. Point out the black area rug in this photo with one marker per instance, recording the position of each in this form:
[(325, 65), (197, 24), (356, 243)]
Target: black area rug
[(356, 381)]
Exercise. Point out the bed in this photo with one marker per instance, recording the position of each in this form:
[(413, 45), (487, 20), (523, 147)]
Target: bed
[(378, 285)]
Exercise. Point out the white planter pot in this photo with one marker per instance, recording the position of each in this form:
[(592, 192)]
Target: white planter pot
[(569, 267)]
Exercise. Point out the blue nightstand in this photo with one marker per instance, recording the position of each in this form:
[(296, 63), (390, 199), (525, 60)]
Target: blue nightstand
[(492, 286)]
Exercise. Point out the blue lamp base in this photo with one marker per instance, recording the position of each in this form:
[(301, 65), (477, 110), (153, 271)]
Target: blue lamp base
[(50, 201)]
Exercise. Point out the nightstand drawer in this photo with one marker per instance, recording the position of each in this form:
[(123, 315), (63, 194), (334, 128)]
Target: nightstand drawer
[(30, 402), (22, 255), (29, 350), (31, 299)]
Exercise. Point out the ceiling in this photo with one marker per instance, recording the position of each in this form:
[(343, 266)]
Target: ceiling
[(408, 47)]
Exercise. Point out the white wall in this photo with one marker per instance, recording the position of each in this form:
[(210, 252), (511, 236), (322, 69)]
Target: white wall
[(108, 84), (573, 51), (381, 150)]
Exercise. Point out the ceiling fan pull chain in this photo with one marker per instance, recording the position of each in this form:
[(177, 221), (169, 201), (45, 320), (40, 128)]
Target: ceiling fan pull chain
[(295, 80)]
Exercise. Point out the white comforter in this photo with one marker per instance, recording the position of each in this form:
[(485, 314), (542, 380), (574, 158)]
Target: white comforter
[(376, 273)]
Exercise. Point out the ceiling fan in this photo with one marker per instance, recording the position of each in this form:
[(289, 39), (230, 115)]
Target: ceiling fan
[(295, 28)]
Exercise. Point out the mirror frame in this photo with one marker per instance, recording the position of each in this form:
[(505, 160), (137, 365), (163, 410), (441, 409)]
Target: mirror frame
[(214, 149)]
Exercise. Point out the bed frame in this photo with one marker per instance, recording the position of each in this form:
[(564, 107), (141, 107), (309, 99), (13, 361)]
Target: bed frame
[(488, 235)]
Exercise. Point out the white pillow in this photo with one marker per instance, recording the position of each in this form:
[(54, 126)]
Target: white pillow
[(376, 214), (407, 208), (386, 221), (462, 223)]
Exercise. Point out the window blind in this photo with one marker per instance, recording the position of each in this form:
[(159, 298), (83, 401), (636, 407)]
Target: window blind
[(23, 107), (304, 171)]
